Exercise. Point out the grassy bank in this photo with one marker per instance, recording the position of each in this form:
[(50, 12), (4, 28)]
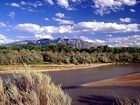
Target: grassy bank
[(48, 67)]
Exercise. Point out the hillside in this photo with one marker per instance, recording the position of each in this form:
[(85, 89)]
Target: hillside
[(70, 42)]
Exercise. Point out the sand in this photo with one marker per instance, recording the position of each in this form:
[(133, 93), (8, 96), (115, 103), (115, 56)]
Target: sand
[(132, 80)]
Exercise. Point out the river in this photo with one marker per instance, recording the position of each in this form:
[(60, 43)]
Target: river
[(71, 81)]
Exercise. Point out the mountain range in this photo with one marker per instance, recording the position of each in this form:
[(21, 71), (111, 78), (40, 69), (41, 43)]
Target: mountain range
[(78, 43)]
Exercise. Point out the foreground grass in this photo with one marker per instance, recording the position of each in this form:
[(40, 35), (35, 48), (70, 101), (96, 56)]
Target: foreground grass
[(29, 88)]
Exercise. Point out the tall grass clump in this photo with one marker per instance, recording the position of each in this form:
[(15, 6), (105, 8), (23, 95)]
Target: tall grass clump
[(30, 88)]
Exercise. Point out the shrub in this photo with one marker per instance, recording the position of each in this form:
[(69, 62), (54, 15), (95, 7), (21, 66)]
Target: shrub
[(30, 57), (32, 89)]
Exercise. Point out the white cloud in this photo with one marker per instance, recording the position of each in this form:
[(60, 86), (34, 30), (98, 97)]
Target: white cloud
[(133, 40), (68, 4), (127, 41), (36, 29), (2, 25), (42, 36), (101, 6), (36, 4), (126, 20), (15, 5), (66, 37), (79, 28), (63, 3), (84, 38), (60, 15), (132, 10), (46, 19), (106, 6), (63, 21), (27, 5), (4, 39), (50, 2), (23, 3), (103, 27), (100, 41), (109, 35), (28, 27), (12, 14), (57, 29)]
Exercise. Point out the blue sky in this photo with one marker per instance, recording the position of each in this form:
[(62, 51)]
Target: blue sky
[(112, 22)]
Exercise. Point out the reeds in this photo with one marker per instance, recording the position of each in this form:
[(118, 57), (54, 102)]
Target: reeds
[(29, 88)]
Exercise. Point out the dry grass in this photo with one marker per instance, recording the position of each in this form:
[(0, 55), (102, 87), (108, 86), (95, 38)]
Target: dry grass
[(32, 89), (48, 67), (128, 101)]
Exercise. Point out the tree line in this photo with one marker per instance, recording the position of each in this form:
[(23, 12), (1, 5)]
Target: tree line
[(61, 53)]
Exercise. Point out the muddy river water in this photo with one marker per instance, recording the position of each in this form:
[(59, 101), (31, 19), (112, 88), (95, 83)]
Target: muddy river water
[(71, 81)]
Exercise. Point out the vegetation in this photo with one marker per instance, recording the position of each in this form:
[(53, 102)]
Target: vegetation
[(32, 89), (62, 53), (135, 101)]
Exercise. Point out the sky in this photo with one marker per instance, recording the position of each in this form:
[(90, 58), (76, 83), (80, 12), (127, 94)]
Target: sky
[(112, 22)]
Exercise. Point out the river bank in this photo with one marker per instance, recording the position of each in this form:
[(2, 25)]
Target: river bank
[(48, 67), (131, 80)]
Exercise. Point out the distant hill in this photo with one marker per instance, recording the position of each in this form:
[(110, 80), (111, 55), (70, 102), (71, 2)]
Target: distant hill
[(78, 43)]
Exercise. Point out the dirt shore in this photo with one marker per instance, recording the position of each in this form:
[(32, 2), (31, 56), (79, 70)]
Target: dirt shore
[(44, 68), (132, 80)]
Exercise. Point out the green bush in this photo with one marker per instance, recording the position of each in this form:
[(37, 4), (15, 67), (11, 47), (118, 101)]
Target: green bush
[(61, 53)]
